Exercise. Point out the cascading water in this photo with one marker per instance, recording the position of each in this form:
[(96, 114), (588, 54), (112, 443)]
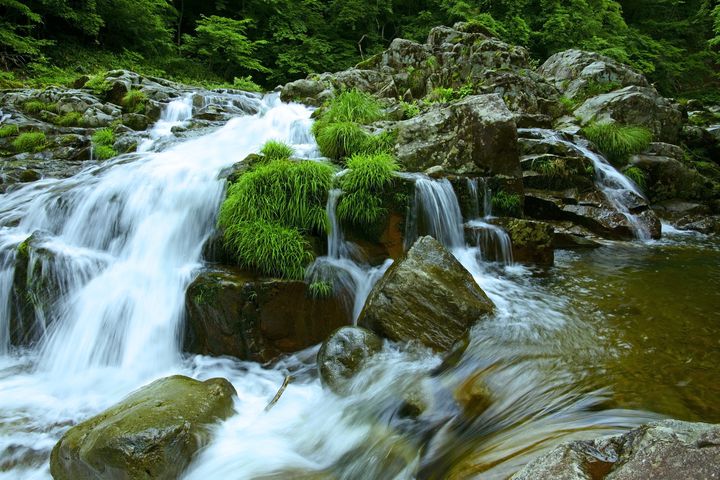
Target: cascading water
[(494, 242), (617, 188), (130, 232)]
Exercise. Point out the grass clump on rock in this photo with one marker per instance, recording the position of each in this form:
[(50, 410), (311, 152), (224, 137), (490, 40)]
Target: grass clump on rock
[(275, 150), (507, 204), (37, 106), (338, 128), (617, 142), (637, 176), (30, 142), (8, 131), (369, 176), (134, 101), (103, 141), (269, 210), (70, 119)]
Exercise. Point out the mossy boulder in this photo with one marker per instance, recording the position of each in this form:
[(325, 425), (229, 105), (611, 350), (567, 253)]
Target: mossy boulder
[(152, 434), (342, 355), (428, 297), (232, 312), (532, 242)]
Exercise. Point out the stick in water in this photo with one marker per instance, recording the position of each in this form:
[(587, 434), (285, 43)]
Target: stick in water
[(275, 399)]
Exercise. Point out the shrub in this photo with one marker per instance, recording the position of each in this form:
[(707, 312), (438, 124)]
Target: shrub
[(274, 150), (70, 119), (30, 142), (134, 101), (320, 290), (104, 137), (618, 142), (8, 131), (363, 186), (507, 204), (340, 140), (637, 176), (352, 106), (272, 205), (103, 152)]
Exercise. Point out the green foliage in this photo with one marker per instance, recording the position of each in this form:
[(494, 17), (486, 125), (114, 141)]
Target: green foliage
[(98, 85), (340, 140), (103, 152), (555, 167), (352, 106), (30, 142), (507, 204), (368, 178), (223, 45), (8, 131), (447, 95), (134, 101), (70, 119), (104, 137), (637, 176), (320, 290), (36, 106), (617, 142), (274, 150), (269, 209), (593, 88)]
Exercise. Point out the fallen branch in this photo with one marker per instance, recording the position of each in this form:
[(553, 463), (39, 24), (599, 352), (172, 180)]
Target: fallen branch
[(279, 393)]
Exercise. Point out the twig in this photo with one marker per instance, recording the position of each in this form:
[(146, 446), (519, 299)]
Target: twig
[(279, 393)]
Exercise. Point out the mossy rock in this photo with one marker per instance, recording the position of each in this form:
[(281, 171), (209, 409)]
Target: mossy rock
[(532, 242), (342, 355), (152, 434)]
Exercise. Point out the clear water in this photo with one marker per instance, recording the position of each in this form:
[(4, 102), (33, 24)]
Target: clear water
[(602, 342)]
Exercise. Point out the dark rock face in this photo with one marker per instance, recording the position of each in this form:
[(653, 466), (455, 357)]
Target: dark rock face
[(343, 354), (152, 434), (427, 297), (232, 313), (477, 135), (668, 178), (664, 450), (532, 242)]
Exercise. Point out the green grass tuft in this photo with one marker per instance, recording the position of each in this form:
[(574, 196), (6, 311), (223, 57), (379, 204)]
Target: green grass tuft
[(410, 110), (30, 142), (637, 176), (104, 137), (8, 131), (320, 290), (352, 106), (134, 101), (36, 106), (554, 168), (274, 150), (369, 177), (98, 85), (618, 142), (340, 140), (103, 152), (70, 119), (507, 204)]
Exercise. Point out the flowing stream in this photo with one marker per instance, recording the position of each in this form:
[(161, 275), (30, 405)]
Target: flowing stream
[(602, 342)]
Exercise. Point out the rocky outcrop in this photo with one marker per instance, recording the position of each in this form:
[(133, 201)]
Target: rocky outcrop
[(577, 74), (476, 135), (641, 106), (152, 434), (426, 297), (532, 242), (342, 355), (230, 312), (664, 450)]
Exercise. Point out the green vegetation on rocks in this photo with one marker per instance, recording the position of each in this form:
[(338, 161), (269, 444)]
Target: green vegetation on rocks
[(507, 204), (134, 101), (8, 131), (368, 178), (275, 150), (70, 119), (103, 141), (617, 142), (30, 142), (269, 210), (637, 176)]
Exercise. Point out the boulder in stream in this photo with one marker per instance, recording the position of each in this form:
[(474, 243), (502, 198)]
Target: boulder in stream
[(428, 297), (343, 353), (152, 434), (669, 449)]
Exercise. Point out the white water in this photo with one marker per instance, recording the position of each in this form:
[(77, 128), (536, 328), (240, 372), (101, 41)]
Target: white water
[(131, 232), (493, 241), (616, 187)]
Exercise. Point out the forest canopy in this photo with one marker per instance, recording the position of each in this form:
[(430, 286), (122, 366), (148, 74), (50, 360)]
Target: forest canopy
[(674, 42)]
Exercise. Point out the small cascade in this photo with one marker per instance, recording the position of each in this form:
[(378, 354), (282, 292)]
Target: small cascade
[(176, 113), (343, 267), (4, 116), (493, 241), (616, 187), (436, 212)]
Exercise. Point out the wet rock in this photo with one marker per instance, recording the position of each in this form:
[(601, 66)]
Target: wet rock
[(230, 312), (532, 242), (668, 449), (473, 395), (152, 434), (574, 72), (667, 178), (136, 121), (304, 91), (427, 297), (342, 355), (641, 106), (474, 136)]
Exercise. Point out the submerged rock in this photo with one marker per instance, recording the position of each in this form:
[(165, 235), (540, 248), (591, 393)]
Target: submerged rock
[(343, 354), (669, 449), (427, 297), (476, 135), (152, 434), (230, 312)]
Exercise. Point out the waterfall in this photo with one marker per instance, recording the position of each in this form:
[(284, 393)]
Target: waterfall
[(435, 212), (616, 187)]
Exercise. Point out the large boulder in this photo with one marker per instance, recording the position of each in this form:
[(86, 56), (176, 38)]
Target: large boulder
[(476, 135), (342, 355), (230, 312), (532, 242), (641, 106), (427, 297), (668, 178), (576, 73), (668, 449), (152, 434)]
